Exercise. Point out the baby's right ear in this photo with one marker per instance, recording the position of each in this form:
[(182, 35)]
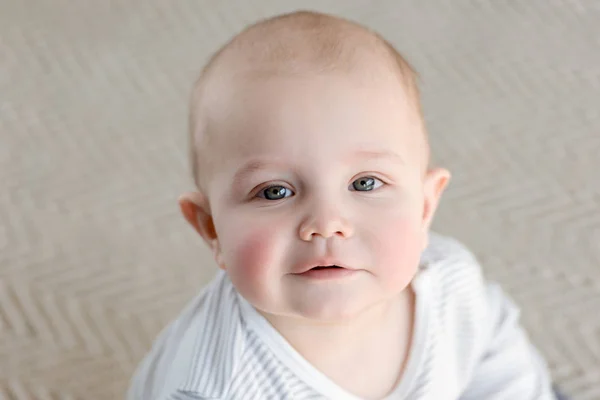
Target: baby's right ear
[(194, 207)]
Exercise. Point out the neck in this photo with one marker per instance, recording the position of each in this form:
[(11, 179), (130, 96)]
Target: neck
[(376, 340)]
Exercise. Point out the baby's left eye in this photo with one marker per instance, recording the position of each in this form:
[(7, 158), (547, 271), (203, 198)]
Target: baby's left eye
[(366, 184)]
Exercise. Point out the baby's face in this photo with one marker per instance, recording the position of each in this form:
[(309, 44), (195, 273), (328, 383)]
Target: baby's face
[(313, 169)]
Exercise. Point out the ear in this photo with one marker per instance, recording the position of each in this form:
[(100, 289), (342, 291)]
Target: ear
[(196, 210), (435, 183)]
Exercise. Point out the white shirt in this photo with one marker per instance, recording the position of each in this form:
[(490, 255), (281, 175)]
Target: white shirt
[(467, 344)]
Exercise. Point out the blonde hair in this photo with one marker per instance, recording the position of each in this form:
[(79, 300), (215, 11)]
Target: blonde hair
[(298, 42)]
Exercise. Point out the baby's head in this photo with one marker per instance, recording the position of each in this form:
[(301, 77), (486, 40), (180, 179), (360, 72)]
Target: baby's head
[(309, 148)]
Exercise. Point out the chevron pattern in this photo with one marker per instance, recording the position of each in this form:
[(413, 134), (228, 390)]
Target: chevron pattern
[(95, 259)]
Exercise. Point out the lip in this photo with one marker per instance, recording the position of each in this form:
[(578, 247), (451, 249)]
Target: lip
[(327, 273), (322, 262)]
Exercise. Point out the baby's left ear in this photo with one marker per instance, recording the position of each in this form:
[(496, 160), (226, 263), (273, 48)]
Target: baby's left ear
[(435, 182)]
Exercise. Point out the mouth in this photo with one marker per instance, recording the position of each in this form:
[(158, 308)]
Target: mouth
[(327, 272), (328, 264), (321, 267)]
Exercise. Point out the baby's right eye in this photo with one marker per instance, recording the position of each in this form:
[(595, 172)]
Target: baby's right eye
[(275, 193)]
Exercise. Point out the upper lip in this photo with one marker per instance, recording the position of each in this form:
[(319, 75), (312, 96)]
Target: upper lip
[(321, 262)]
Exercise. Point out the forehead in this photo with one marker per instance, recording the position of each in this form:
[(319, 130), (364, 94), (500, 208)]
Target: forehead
[(301, 116)]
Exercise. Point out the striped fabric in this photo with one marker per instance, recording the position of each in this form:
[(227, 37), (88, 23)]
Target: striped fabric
[(467, 344)]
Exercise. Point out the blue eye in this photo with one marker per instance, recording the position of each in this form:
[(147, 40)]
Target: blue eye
[(275, 193), (278, 192), (366, 184)]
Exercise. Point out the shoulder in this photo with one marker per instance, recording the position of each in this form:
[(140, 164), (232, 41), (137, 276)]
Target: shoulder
[(446, 249), (456, 287), (468, 309), (452, 267), (172, 366)]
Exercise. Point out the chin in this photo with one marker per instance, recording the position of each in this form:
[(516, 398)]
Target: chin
[(330, 313)]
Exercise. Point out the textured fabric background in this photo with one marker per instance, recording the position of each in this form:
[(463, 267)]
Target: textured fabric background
[(95, 258)]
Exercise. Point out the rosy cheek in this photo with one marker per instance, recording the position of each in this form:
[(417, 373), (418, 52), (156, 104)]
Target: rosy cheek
[(399, 250), (250, 258), (253, 253)]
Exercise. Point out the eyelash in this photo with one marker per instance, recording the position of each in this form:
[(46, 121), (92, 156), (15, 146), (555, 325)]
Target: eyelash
[(262, 190)]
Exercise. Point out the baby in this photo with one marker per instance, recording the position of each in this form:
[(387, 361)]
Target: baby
[(315, 194)]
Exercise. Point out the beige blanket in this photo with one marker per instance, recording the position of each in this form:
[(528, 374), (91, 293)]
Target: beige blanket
[(95, 259)]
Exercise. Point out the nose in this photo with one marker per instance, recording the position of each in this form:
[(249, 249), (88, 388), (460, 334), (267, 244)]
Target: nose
[(325, 223)]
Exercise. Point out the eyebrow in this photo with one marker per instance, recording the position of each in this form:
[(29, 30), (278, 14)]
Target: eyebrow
[(253, 166), (376, 154)]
